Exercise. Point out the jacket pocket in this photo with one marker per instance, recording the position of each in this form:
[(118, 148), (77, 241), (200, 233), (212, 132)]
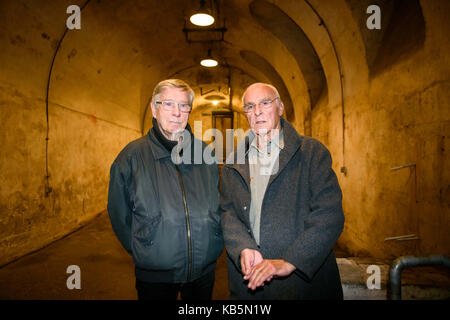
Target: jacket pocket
[(145, 229)]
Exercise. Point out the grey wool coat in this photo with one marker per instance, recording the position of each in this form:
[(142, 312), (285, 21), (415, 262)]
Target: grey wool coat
[(301, 220)]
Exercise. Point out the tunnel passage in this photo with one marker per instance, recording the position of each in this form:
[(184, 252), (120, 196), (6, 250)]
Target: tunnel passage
[(393, 82)]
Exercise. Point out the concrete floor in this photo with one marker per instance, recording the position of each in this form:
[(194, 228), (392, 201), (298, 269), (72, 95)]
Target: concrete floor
[(107, 272)]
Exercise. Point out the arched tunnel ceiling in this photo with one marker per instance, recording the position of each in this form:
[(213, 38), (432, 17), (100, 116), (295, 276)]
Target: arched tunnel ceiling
[(145, 46), (402, 31), (284, 28), (262, 64)]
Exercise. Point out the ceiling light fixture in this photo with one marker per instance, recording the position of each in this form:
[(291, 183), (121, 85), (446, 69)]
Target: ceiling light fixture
[(203, 17), (209, 61)]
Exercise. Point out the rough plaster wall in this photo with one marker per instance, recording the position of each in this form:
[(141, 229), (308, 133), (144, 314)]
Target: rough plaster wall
[(411, 102), (82, 145), (398, 117)]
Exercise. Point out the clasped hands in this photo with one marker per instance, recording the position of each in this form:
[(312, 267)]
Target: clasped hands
[(258, 270)]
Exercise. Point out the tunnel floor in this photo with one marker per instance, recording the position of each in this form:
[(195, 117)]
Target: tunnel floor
[(107, 272)]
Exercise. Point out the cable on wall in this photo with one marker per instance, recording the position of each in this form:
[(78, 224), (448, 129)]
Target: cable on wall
[(322, 23), (48, 189)]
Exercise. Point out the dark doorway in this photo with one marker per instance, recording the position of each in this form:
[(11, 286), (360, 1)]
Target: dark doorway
[(222, 120)]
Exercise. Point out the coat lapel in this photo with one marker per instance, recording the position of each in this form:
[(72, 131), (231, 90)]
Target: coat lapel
[(243, 169), (292, 142)]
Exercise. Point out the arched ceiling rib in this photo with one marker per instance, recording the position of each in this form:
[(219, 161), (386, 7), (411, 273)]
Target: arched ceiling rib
[(292, 36), (259, 62)]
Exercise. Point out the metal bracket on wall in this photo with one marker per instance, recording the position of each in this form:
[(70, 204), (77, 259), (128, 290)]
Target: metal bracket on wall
[(411, 165), (405, 166), (403, 238)]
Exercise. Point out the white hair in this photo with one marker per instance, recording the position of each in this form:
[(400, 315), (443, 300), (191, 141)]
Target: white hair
[(172, 83), (260, 84)]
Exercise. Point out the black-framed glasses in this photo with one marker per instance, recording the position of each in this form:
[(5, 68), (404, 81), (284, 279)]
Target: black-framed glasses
[(265, 103), (170, 105)]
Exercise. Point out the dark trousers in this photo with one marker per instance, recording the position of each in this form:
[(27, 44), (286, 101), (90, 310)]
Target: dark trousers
[(200, 289)]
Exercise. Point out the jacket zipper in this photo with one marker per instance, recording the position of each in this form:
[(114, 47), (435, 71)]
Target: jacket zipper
[(188, 226)]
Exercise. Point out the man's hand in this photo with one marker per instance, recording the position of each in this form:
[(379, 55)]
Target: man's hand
[(268, 269), (249, 259)]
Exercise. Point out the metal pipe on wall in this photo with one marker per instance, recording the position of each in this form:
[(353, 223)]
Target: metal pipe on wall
[(395, 272)]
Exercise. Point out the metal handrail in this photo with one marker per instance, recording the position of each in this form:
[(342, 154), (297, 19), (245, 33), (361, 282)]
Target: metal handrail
[(395, 272)]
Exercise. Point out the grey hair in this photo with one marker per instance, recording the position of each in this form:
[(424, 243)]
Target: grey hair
[(260, 83), (172, 83)]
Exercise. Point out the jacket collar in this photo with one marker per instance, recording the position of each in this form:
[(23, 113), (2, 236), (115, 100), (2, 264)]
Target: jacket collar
[(159, 151), (292, 142)]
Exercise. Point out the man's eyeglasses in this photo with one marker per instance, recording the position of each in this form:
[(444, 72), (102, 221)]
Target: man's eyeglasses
[(265, 103), (170, 105)]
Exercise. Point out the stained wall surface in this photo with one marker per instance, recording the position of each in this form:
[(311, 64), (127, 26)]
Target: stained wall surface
[(395, 116), (90, 118)]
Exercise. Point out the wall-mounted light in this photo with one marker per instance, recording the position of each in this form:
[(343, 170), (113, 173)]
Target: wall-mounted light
[(203, 17), (215, 102), (208, 61)]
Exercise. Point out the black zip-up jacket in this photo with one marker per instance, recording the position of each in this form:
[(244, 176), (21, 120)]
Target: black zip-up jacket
[(165, 215)]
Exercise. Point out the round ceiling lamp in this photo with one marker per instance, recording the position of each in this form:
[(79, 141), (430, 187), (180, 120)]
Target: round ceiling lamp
[(202, 19), (203, 16), (208, 62)]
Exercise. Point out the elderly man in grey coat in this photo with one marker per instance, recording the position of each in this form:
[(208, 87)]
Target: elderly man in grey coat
[(281, 209)]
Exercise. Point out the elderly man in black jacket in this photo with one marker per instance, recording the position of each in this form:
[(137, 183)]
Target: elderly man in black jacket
[(165, 213), (281, 209)]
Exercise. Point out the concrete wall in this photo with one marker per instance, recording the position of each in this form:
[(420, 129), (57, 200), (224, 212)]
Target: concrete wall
[(394, 117), (89, 122)]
